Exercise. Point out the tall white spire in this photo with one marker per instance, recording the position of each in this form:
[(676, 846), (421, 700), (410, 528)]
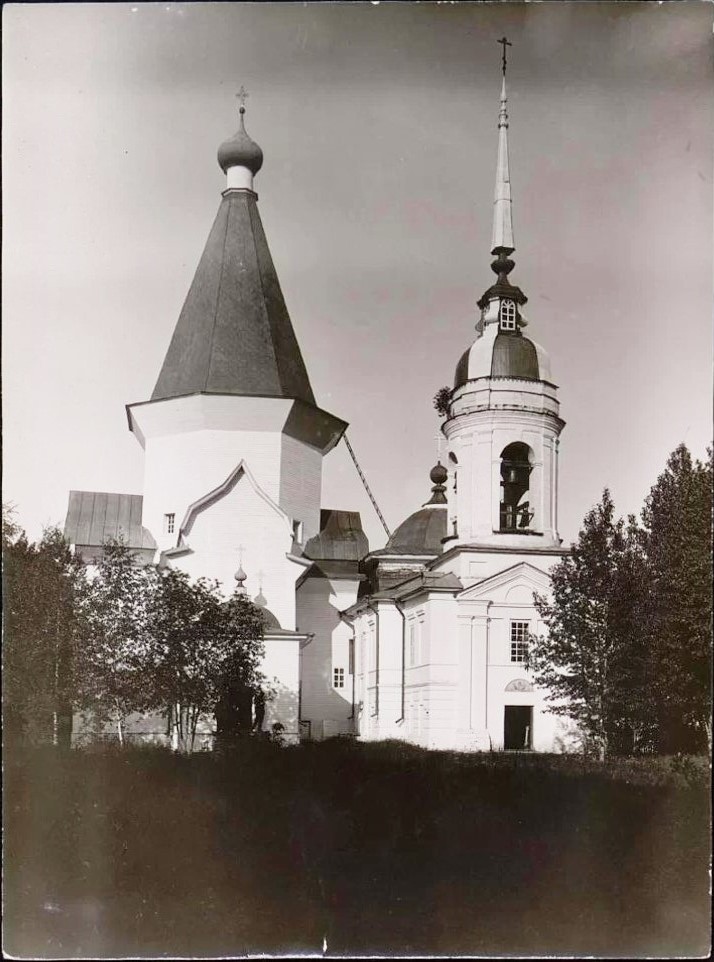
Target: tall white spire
[(502, 237)]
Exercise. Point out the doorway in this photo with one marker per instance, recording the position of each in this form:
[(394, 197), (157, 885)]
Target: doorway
[(518, 727)]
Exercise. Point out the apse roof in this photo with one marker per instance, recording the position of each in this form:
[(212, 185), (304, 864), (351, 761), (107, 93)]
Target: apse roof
[(94, 517), (234, 334), (340, 537)]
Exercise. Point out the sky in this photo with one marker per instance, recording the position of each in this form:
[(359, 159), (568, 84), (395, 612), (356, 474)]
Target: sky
[(378, 126)]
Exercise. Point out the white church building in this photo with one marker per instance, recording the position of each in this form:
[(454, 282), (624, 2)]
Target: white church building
[(423, 640)]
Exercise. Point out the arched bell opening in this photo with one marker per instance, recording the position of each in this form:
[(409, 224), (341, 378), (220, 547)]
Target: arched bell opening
[(516, 466)]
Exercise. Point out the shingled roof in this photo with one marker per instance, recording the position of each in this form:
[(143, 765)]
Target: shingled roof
[(234, 334)]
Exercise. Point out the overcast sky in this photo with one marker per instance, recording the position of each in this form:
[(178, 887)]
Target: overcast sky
[(378, 125)]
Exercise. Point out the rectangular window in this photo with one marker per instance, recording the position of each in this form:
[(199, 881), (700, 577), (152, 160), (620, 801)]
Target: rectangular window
[(338, 677), (169, 523), (519, 641), (412, 643)]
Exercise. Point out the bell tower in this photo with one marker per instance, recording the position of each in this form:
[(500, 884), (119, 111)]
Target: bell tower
[(503, 424)]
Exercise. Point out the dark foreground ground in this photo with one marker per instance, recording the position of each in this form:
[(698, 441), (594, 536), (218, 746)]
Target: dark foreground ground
[(378, 849)]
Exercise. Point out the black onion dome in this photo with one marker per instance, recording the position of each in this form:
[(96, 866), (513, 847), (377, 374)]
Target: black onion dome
[(514, 357), (240, 151), (511, 355), (438, 474), (421, 533), (462, 369)]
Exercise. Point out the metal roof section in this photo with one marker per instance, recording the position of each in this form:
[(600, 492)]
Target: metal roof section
[(94, 517), (514, 356), (420, 534), (340, 538), (234, 334)]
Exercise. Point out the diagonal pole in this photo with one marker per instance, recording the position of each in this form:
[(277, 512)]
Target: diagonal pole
[(366, 486)]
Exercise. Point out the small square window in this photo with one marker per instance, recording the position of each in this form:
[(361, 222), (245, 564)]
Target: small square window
[(519, 641), (338, 677), (169, 523)]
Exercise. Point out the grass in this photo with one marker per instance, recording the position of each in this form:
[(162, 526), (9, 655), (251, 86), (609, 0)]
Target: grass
[(379, 849)]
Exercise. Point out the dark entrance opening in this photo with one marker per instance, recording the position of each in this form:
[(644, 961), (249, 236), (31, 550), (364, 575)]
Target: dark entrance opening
[(518, 727)]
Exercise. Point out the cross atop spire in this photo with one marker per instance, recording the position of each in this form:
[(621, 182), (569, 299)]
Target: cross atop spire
[(504, 43), (502, 243), (242, 96)]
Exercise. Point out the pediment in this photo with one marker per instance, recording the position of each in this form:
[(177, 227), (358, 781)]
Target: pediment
[(504, 585)]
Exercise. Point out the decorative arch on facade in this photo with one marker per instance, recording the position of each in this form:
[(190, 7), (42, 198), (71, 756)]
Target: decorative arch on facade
[(221, 491), (519, 684)]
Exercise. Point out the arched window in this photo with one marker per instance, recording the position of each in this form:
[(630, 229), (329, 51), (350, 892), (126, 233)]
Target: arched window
[(515, 481), (508, 315)]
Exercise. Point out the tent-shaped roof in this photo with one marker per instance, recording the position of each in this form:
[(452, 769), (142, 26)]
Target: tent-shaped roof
[(234, 334)]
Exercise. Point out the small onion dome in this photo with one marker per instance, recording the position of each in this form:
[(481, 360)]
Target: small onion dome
[(438, 474), (503, 355), (240, 151), (240, 577)]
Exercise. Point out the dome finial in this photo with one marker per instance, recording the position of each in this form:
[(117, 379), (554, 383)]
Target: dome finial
[(504, 43), (502, 238), (438, 476), (242, 95)]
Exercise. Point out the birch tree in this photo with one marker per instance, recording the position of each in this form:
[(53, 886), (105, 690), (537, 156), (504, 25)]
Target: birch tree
[(116, 663), (200, 645)]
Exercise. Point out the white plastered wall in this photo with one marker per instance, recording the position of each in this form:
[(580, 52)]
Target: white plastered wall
[(242, 527), (319, 600), (300, 488), (281, 666)]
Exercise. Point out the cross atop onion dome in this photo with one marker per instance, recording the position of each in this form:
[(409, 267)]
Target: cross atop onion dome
[(240, 150)]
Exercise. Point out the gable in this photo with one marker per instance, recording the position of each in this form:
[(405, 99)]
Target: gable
[(262, 503), (514, 585)]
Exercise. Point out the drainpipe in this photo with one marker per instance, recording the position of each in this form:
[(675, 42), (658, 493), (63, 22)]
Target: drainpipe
[(488, 653), (371, 607), (400, 609)]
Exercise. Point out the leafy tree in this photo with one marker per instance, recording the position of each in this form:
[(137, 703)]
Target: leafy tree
[(677, 519), (442, 401), (200, 645), (42, 632), (116, 662), (592, 656)]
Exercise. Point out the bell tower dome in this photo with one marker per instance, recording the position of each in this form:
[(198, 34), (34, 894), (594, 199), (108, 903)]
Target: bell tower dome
[(504, 422)]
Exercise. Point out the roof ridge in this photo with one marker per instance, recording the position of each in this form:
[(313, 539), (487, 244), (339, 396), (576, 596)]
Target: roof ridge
[(218, 298), (263, 302)]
